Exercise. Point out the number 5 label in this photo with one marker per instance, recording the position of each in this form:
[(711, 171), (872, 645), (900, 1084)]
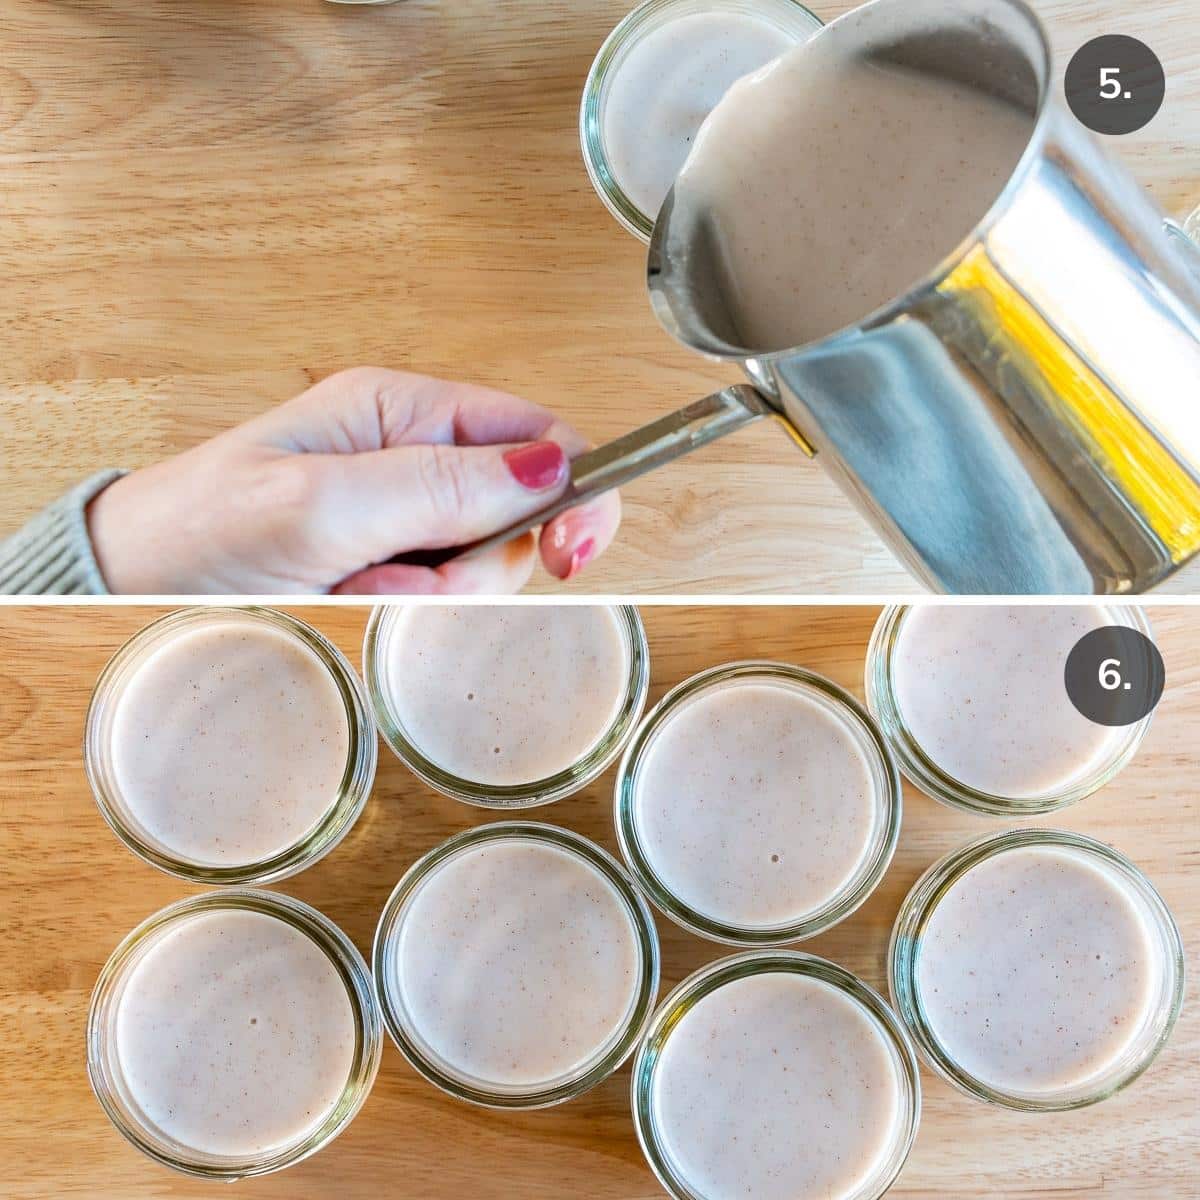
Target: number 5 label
[(1110, 86), (1114, 84)]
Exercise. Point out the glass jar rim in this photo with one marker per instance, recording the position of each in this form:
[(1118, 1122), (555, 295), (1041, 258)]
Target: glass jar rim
[(921, 770), (611, 53), (352, 970), (337, 820), (839, 906), (755, 962), (536, 792), (916, 910), (614, 1051)]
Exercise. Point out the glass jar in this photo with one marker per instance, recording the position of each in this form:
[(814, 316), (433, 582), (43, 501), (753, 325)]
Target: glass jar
[(344, 805), (919, 768), (673, 1011), (456, 1079), (787, 16), (908, 941), (384, 626), (885, 789), (108, 1078)]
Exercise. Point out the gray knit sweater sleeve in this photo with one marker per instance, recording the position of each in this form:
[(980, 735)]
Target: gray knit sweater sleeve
[(51, 555)]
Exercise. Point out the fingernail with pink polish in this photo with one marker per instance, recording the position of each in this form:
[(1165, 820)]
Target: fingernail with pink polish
[(538, 466), (580, 559)]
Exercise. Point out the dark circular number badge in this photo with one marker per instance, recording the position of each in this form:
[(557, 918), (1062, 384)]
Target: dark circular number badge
[(1115, 84), (1114, 675)]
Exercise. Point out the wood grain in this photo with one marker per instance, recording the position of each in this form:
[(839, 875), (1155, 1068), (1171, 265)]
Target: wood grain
[(210, 203), (69, 892)]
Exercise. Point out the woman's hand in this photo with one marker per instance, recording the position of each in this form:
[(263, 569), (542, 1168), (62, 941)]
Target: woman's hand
[(366, 465)]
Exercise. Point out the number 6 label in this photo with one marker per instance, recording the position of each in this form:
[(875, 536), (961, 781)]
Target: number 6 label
[(1114, 675)]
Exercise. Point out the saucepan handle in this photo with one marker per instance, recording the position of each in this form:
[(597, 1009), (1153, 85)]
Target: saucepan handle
[(612, 465)]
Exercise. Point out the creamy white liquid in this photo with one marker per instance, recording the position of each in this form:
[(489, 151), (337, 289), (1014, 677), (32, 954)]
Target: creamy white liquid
[(778, 1087), (235, 1034), (517, 963), (834, 184), (229, 743), (506, 695), (755, 803), (981, 690), (667, 83), (1036, 970)]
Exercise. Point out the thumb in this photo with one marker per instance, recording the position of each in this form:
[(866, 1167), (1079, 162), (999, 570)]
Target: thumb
[(427, 496)]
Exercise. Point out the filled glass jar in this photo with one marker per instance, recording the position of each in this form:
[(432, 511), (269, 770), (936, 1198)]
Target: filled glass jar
[(749, 1056), (659, 73), (973, 702), (1036, 969), (230, 745), (757, 804), (506, 706), (233, 1034), (516, 965)]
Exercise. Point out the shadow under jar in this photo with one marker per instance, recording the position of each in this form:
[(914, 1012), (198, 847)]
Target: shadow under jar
[(1036, 969), (748, 1056), (233, 1034), (972, 701), (230, 745), (516, 965), (506, 706), (757, 804)]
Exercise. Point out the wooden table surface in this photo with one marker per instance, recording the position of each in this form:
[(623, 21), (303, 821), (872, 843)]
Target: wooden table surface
[(69, 892), (208, 204)]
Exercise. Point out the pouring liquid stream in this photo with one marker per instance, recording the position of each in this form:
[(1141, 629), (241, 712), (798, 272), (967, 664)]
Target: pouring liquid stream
[(834, 179)]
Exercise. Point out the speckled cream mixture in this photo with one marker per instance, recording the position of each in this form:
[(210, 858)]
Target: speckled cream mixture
[(779, 1087), (235, 1033), (1036, 969), (517, 962), (229, 743), (665, 86), (981, 690), (755, 803), (506, 695), (834, 184)]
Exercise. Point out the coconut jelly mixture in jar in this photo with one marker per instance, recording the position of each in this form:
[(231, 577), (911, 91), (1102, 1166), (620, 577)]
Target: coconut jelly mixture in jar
[(1037, 970), (505, 695), (517, 964), (754, 801), (229, 742), (980, 690), (668, 81), (776, 1086), (235, 1034)]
